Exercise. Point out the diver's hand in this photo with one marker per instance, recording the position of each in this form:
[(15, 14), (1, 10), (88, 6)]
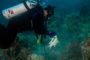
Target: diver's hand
[(51, 33)]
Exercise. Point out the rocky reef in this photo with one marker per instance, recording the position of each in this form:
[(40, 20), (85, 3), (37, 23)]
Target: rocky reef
[(73, 32)]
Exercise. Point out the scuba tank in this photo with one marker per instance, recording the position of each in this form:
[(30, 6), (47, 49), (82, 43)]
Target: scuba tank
[(19, 9)]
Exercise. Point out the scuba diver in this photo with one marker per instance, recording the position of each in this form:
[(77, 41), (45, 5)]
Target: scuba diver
[(34, 19)]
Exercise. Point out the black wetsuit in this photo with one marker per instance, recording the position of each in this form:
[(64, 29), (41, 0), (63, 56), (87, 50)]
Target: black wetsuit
[(31, 20)]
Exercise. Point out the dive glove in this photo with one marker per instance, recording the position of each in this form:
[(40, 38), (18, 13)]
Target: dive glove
[(51, 33)]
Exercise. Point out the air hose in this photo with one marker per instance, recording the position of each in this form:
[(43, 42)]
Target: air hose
[(24, 2)]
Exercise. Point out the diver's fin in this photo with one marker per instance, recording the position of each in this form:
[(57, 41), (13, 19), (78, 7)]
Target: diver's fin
[(38, 40)]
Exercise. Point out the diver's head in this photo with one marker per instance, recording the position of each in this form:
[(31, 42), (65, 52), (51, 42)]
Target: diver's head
[(49, 11)]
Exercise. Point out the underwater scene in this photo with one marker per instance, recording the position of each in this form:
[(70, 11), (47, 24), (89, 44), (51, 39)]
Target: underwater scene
[(68, 37)]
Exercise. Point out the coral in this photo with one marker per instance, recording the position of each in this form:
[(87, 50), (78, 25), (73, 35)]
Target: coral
[(71, 51), (35, 57), (84, 11), (85, 48), (71, 21), (71, 30)]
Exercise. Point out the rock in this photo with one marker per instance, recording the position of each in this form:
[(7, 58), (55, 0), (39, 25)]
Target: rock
[(35, 57), (85, 48)]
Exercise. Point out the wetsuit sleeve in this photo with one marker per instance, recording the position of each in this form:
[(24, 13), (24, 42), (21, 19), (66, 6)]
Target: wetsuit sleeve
[(38, 24)]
